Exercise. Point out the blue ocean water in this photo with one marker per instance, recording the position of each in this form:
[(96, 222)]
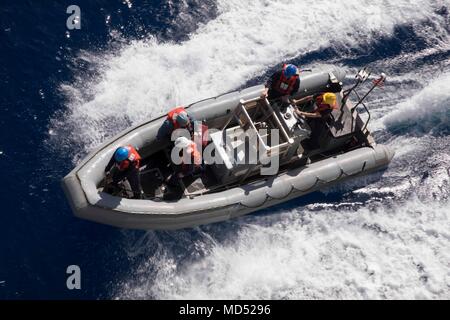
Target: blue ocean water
[(59, 99)]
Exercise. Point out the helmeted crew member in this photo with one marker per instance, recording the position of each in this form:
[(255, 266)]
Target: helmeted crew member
[(177, 118), (124, 164), (323, 105), (195, 163), (283, 83)]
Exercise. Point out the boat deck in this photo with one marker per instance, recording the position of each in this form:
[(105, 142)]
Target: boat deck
[(158, 182)]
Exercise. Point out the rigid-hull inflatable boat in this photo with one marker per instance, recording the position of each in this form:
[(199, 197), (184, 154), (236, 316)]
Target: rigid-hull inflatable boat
[(231, 188)]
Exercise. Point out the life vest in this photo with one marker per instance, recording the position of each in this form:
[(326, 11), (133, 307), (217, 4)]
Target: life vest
[(133, 159), (190, 148), (205, 134), (196, 155), (172, 116), (285, 85), (321, 106)]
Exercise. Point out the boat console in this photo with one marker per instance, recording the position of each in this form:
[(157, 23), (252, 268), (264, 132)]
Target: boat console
[(254, 134)]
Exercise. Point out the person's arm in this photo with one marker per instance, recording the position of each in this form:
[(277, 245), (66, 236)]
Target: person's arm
[(286, 98), (265, 92), (267, 86), (302, 100), (308, 114), (165, 130), (195, 126), (110, 165), (296, 86), (273, 78)]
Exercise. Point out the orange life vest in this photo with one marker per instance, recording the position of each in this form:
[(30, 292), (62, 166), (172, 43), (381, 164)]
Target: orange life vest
[(196, 155), (172, 116), (133, 159), (285, 85), (205, 134)]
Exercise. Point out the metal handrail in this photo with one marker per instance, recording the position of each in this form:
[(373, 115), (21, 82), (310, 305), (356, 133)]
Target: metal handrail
[(364, 76), (283, 131), (247, 116), (365, 107)]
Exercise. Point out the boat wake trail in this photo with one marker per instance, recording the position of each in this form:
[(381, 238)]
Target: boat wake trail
[(395, 252), (147, 77), (382, 236), (428, 112)]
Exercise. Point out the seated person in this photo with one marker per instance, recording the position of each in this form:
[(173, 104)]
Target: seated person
[(191, 167), (322, 106), (179, 118), (283, 83), (195, 163), (124, 164)]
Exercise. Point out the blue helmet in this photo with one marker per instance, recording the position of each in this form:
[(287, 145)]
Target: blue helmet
[(121, 154), (182, 119), (290, 70)]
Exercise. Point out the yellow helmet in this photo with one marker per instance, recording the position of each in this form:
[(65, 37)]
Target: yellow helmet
[(329, 98)]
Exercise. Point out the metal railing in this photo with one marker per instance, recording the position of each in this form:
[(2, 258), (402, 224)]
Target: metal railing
[(361, 77)]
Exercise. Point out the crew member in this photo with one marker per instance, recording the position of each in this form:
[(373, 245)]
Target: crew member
[(195, 158), (177, 118), (124, 164), (323, 105), (283, 83)]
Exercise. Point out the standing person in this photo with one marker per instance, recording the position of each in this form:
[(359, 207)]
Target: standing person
[(323, 106), (124, 164), (283, 83)]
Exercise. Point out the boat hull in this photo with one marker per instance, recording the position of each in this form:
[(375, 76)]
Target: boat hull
[(228, 204)]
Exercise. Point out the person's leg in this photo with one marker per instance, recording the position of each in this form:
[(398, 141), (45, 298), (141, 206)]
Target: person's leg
[(118, 176), (313, 142), (112, 186), (134, 179), (187, 169)]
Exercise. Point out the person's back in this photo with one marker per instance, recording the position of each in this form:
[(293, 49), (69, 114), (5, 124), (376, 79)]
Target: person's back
[(177, 118)]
